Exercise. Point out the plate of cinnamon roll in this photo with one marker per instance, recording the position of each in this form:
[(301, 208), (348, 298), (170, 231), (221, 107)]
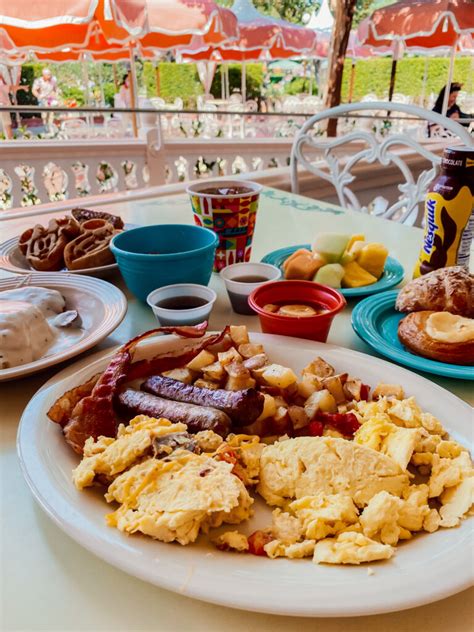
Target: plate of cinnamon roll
[(428, 325)]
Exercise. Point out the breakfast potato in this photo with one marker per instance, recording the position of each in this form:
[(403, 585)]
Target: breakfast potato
[(249, 350), (239, 334), (334, 385), (298, 417), (394, 391), (352, 389), (214, 371), (256, 361), (236, 369), (226, 357), (277, 375), (201, 360), (320, 368), (207, 384), (309, 384), (239, 383), (320, 401), (182, 375), (269, 407)]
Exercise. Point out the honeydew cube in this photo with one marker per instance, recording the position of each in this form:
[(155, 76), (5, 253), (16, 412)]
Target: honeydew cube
[(356, 276), (372, 258), (330, 274), (277, 375), (331, 246)]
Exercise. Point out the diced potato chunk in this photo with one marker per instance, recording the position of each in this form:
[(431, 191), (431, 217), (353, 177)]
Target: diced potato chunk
[(320, 401), (182, 375), (213, 371), (248, 350), (309, 384), (394, 391), (226, 357), (239, 334), (298, 417), (201, 360), (269, 407), (237, 369), (320, 368), (256, 361), (277, 375), (206, 384), (239, 383), (334, 385), (280, 414), (352, 389)]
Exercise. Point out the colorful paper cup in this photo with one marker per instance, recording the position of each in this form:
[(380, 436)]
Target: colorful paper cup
[(230, 215)]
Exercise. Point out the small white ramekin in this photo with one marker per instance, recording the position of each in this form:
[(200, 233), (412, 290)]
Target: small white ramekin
[(192, 316)]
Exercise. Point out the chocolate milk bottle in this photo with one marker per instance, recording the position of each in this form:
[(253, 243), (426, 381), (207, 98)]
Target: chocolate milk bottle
[(449, 216)]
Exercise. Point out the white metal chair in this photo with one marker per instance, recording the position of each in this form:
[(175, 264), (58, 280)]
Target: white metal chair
[(75, 128), (326, 158)]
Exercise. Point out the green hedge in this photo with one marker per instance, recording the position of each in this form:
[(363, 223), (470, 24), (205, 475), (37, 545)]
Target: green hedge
[(176, 80), (253, 80), (373, 76)]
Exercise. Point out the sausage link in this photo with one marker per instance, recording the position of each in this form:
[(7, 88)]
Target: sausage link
[(196, 418), (243, 407)]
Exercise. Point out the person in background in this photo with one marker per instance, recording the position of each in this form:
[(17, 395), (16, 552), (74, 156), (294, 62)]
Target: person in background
[(45, 89), (453, 111), (123, 99), (5, 118)]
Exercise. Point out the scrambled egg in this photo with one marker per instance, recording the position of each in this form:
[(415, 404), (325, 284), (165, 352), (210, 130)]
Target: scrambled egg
[(335, 500), (170, 499), (307, 466), (350, 548)]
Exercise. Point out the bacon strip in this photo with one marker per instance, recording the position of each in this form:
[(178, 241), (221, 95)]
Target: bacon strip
[(94, 415)]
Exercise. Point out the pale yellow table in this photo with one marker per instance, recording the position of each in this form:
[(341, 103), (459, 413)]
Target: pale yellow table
[(49, 582)]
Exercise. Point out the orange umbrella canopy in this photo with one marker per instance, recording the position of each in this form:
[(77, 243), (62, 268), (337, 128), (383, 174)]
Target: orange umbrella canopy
[(420, 23), (259, 36), (52, 25)]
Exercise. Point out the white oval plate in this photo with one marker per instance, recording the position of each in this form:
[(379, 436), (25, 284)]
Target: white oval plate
[(425, 569), (101, 307)]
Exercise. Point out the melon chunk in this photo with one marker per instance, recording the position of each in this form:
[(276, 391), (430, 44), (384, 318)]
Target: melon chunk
[(330, 246), (356, 276), (330, 274), (372, 258)]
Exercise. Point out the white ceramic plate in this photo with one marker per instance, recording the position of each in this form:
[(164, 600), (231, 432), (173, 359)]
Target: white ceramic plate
[(12, 260), (101, 307), (425, 569)]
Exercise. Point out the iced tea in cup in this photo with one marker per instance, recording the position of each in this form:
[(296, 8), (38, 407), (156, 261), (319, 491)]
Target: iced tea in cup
[(229, 208)]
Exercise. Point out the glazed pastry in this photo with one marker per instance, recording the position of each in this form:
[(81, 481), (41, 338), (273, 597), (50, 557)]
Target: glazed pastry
[(84, 214), (91, 248), (44, 247), (447, 289), (439, 335)]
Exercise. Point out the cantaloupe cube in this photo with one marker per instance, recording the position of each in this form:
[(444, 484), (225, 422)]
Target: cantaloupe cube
[(372, 258), (356, 276)]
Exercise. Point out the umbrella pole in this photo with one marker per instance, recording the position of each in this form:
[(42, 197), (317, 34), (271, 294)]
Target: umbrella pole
[(133, 86), (222, 82), (351, 82), (114, 70), (393, 73), (311, 73), (158, 79), (101, 82), (243, 85), (425, 80), (450, 79)]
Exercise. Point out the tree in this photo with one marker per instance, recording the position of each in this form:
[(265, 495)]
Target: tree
[(290, 10), (343, 11)]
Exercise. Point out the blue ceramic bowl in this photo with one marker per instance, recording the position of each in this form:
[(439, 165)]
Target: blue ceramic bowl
[(152, 256)]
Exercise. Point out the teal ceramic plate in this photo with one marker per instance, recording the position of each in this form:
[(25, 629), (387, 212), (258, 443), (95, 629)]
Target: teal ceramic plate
[(392, 275), (375, 321)]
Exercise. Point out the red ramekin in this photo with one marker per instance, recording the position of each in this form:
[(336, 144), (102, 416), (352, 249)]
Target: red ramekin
[(311, 327)]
